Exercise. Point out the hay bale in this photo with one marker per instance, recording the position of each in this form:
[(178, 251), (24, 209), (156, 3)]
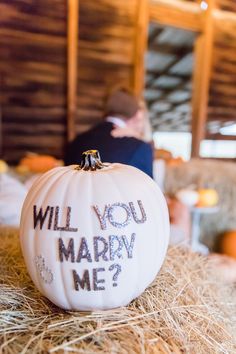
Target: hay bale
[(214, 174), (185, 310)]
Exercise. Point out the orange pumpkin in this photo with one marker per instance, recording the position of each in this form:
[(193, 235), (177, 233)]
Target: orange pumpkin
[(207, 198), (163, 154), (3, 166), (228, 243), (174, 162), (38, 163)]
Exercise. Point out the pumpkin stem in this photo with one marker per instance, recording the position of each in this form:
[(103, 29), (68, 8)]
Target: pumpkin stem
[(91, 161)]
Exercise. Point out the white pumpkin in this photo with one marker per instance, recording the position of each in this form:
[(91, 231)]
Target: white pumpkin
[(94, 236), (187, 196), (30, 181), (12, 195)]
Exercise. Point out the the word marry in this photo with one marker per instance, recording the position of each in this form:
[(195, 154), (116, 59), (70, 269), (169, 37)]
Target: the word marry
[(110, 249)]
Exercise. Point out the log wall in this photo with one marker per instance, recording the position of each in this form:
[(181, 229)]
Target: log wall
[(33, 76), (111, 43), (226, 5), (106, 54), (33, 68), (222, 95)]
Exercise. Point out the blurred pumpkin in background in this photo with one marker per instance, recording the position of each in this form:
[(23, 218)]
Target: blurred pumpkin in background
[(37, 163), (12, 195), (207, 197), (3, 166), (174, 162), (166, 155), (187, 196), (162, 154), (228, 243)]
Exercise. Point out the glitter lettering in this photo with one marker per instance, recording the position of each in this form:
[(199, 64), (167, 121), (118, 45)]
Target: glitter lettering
[(115, 251), (84, 251), (134, 213), (110, 215), (68, 252), (40, 217), (102, 252), (97, 281), (50, 218), (67, 227), (101, 218), (84, 282), (129, 246)]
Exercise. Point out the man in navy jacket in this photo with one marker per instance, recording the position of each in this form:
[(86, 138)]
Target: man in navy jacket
[(122, 110)]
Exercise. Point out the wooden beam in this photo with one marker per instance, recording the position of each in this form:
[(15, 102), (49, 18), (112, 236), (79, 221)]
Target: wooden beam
[(166, 71), (170, 49), (219, 136), (154, 35), (175, 75), (225, 22), (72, 37), (1, 125), (201, 80), (140, 46), (218, 110), (178, 13), (1, 134)]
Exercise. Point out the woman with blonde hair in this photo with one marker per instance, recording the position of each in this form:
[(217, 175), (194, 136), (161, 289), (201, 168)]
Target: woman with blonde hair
[(179, 213)]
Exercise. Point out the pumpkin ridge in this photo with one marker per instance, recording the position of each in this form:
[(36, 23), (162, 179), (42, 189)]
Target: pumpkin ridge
[(25, 211), (28, 204), (114, 182), (109, 177), (43, 200), (60, 181)]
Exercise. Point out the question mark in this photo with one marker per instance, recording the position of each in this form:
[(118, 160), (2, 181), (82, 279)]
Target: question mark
[(115, 276)]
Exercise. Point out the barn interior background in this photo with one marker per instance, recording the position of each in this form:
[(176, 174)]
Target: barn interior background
[(58, 59)]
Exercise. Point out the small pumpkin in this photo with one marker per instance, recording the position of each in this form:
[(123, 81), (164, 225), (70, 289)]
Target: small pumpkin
[(225, 267), (3, 166), (175, 162), (187, 196), (228, 243), (94, 235), (12, 195), (207, 197), (38, 163), (162, 154)]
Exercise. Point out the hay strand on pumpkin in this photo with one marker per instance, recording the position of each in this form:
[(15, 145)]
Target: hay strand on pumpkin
[(184, 310)]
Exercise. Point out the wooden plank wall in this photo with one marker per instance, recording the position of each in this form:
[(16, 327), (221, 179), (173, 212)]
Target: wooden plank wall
[(222, 95), (33, 76), (33, 61), (106, 54), (226, 5)]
